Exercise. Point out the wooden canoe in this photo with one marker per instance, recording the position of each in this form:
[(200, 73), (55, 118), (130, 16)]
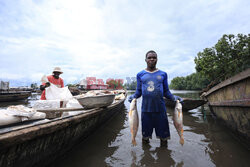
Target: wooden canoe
[(230, 102), (14, 96), (188, 104), (41, 142)]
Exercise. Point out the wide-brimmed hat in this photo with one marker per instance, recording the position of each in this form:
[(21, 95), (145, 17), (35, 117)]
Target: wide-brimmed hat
[(57, 69)]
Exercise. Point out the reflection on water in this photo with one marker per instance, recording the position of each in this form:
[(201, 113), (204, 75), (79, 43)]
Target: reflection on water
[(207, 143), (94, 150), (153, 156)]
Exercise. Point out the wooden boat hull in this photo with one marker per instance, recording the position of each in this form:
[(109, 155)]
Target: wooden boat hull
[(41, 144), (14, 96), (188, 104), (230, 102)]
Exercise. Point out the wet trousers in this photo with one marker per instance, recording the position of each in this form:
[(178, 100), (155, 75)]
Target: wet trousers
[(157, 121)]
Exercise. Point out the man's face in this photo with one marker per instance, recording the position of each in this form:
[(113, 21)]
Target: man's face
[(56, 74), (151, 60)]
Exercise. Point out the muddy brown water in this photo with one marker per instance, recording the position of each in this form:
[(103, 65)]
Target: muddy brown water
[(207, 143)]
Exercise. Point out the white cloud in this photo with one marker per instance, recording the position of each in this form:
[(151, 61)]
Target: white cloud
[(110, 38)]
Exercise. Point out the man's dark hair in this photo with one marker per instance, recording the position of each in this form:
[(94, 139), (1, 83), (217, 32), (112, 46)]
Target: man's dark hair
[(151, 51)]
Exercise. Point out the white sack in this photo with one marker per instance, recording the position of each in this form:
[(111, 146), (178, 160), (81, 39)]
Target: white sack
[(73, 103), (19, 113), (44, 79), (46, 104), (38, 115), (54, 93), (6, 118)]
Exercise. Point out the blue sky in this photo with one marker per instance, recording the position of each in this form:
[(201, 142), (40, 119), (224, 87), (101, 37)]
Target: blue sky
[(109, 38)]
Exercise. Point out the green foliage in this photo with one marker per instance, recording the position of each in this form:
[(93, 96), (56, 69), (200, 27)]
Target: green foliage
[(131, 86), (71, 85), (34, 85), (178, 83), (194, 81), (228, 57), (113, 84)]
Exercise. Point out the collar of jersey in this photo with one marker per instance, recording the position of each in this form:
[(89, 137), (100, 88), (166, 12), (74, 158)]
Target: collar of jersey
[(152, 71)]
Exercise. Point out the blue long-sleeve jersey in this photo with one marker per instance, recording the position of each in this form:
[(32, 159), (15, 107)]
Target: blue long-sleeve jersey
[(152, 86)]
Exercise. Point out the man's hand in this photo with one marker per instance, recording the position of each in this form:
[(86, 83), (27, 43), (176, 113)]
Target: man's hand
[(178, 98), (47, 84), (130, 98), (42, 87)]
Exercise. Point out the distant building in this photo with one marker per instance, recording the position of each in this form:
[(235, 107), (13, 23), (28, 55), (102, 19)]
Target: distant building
[(120, 83), (83, 84), (129, 80), (93, 83), (114, 83), (4, 85)]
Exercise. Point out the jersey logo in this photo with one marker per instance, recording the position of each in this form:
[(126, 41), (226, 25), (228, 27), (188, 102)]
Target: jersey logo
[(158, 77), (151, 87)]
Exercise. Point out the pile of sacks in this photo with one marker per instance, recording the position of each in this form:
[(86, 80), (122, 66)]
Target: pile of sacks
[(19, 113), (95, 93), (120, 94), (57, 98)]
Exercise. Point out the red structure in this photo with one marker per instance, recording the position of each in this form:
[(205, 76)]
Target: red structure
[(93, 83), (120, 83), (96, 84), (114, 83)]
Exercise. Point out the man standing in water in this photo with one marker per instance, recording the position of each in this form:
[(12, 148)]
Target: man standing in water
[(54, 79), (152, 85)]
